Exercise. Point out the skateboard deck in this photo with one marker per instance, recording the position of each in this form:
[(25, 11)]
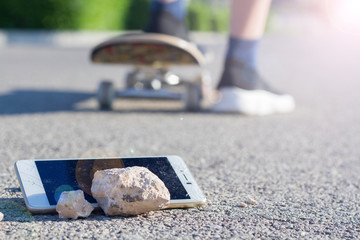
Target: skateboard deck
[(147, 49), (152, 55)]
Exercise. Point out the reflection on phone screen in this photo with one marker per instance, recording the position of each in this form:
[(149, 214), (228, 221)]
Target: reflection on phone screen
[(67, 175)]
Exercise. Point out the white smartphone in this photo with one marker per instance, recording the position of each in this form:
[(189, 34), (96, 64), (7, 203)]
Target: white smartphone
[(42, 181)]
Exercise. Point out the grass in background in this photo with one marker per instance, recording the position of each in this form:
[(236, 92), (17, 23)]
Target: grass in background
[(101, 15), (113, 15), (106, 16), (204, 17), (73, 14)]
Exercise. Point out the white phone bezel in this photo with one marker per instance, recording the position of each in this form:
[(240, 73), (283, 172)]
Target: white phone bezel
[(197, 198), (37, 202), (31, 186)]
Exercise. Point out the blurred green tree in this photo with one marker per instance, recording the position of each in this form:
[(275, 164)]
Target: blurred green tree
[(99, 15), (204, 17), (25, 14), (137, 14)]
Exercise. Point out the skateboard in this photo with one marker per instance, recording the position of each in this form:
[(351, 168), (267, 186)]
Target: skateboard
[(152, 57)]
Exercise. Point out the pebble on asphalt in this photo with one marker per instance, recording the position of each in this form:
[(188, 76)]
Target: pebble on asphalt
[(72, 204), (243, 205), (129, 191), (251, 201)]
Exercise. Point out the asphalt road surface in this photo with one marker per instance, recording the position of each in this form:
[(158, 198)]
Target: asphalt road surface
[(302, 168)]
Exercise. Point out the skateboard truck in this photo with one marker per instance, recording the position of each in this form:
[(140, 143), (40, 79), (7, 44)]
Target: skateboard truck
[(152, 55)]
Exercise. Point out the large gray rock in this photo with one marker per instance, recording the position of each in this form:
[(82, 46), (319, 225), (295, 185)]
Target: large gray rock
[(129, 191), (72, 204)]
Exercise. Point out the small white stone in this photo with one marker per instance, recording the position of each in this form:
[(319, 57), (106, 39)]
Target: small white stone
[(251, 201), (243, 205), (1, 216), (72, 204), (129, 191)]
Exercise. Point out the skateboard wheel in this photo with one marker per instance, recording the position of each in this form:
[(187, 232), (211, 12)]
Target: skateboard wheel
[(106, 94), (192, 97)]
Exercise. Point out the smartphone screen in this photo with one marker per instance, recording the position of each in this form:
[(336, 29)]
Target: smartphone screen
[(67, 175)]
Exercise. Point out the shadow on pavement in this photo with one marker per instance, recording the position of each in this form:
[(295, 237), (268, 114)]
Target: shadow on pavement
[(24, 101), (31, 101), (14, 210)]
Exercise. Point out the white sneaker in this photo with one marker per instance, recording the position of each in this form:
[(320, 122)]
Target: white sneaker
[(253, 102), (242, 90)]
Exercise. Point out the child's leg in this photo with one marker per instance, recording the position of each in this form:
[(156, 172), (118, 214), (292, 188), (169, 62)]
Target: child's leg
[(241, 87), (168, 17)]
